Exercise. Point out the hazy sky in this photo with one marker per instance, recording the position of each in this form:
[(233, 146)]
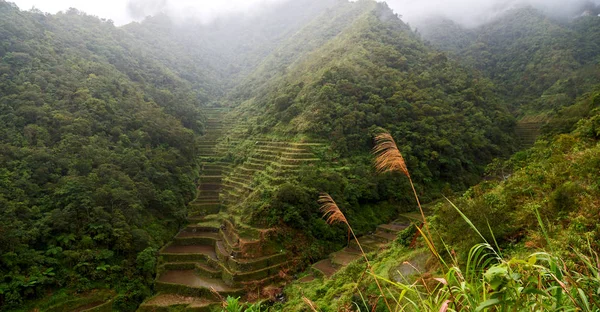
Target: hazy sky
[(467, 12), (474, 12), (124, 11)]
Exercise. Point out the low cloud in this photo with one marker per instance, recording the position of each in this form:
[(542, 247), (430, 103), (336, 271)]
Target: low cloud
[(201, 10), (466, 12), (139, 9), (471, 13)]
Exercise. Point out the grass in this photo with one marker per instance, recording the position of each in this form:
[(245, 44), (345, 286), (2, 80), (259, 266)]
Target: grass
[(233, 304), (389, 159), (488, 281), (333, 213)]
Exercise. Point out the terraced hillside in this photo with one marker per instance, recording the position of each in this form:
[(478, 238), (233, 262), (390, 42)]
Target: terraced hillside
[(383, 235), (206, 261), (267, 163), (209, 184), (217, 254)]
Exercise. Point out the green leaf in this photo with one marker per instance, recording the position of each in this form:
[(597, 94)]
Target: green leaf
[(515, 276), (584, 298), (103, 267), (495, 271), (49, 272), (488, 303), (495, 284), (533, 291)]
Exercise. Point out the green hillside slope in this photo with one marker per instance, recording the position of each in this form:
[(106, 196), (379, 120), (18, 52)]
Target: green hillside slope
[(539, 64), (531, 240), (97, 151), (555, 178), (376, 73)]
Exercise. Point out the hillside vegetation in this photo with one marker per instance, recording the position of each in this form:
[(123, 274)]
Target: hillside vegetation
[(528, 241), (96, 146), (538, 63), (376, 73), (351, 72), (556, 178)]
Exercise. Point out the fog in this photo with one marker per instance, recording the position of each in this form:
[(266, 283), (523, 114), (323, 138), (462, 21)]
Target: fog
[(468, 13), (126, 11), (203, 11), (471, 13)]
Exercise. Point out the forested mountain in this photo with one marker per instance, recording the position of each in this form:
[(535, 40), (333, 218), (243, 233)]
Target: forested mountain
[(220, 53), (372, 71), (534, 213), (97, 144), (539, 63), (115, 139)]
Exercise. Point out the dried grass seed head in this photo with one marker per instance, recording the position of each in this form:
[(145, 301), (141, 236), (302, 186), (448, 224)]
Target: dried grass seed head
[(388, 157), (331, 211)]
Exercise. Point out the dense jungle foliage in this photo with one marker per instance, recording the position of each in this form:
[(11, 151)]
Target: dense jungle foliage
[(538, 63), (97, 157), (371, 72), (99, 126), (537, 250)]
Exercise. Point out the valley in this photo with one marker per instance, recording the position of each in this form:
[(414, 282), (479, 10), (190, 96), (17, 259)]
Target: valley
[(170, 165)]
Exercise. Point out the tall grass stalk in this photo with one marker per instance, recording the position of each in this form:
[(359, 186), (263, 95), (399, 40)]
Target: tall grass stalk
[(389, 159), (333, 214), (489, 281)]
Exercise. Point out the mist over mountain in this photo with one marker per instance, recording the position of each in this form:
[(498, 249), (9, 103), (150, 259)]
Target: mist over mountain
[(468, 13), (473, 13), (197, 11)]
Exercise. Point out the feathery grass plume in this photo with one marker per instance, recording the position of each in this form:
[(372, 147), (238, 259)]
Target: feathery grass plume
[(388, 157), (331, 211)]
